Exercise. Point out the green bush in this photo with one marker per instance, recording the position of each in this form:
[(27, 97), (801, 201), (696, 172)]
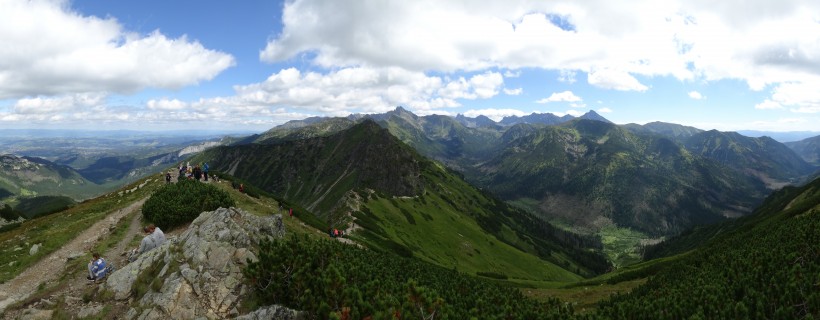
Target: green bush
[(179, 203), (328, 279)]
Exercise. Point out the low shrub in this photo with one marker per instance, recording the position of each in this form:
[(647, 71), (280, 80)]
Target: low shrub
[(179, 203)]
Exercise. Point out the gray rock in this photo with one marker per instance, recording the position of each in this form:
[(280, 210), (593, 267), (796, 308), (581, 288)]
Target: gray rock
[(74, 255), (201, 271), (89, 311), (36, 314), (34, 249), (272, 312)]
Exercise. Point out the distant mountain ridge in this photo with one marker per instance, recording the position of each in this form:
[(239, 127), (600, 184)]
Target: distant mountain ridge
[(808, 149), (405, 203), (31, 176), (504, 158)]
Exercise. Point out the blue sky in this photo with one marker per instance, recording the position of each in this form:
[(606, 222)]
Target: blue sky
[(251, 65)]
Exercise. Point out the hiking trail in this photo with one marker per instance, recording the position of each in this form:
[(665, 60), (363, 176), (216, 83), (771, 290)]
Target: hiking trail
[(52, 266)]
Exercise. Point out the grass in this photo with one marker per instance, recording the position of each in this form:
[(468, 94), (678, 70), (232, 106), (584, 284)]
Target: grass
[(622, 245), (453, 240), (54, 231), (583, 298)]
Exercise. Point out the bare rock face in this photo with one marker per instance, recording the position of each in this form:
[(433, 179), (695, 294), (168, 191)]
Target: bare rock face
[(199, 274)]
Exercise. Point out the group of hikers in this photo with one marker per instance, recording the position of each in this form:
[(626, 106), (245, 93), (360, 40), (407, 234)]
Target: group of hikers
[(336, 233), (154, 237), (191, 172)]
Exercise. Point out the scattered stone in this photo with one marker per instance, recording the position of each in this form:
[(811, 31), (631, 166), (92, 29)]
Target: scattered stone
[(272, 312), (36, 314), (48, 302), (18, 248), (34, 249), (89, 311), (74, 255)]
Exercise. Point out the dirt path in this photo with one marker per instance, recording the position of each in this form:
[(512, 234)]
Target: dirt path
[(53, 265)]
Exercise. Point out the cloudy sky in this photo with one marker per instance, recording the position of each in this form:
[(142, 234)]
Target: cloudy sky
[(251, 65)]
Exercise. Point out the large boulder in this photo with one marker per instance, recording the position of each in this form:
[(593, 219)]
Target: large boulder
[(198, 274)]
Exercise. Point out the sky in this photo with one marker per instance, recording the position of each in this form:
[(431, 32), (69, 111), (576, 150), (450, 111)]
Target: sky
[(251, 65)]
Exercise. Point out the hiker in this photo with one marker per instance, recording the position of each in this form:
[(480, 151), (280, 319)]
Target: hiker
[(197, 173), (157, 234), (146, 245), (242, 188), (167, 177), (205, 170), (291, 212), (96, 268)]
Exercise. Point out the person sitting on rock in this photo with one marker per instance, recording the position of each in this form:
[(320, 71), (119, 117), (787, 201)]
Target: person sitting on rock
[(157, 234), (96, 268), (146, 245)]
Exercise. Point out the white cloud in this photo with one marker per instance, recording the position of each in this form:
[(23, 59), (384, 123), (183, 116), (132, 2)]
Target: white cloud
[(604, 110), (800, 97), (762, 43), (768, 104), (616, 80), (52, 105), (578, 105), (494, 114), (50, 50), (165, 104), (696, 95), (574, 113), (564, 96), (512, 74), (365, 90), (567, 76), (513, 92)]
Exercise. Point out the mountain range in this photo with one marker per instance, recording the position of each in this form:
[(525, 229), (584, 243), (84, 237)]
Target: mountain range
[(587, 172), (399, 201)]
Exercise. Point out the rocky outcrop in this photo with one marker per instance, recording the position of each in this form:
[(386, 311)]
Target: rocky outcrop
[(198, 274)]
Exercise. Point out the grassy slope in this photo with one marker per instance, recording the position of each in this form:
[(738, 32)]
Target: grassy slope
[(445, 235), (53, 231)]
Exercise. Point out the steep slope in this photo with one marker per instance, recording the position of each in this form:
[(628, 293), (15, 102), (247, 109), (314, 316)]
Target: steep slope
[(672, 131), (29, 176), (764, 158), (407, 204), (763, 267), (590, 172), (808, 149)]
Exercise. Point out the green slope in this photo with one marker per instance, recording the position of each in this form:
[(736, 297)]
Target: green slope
[(808, 149), (407, 204), (591, 173), (770, 161), (29, 176), (766, 266)]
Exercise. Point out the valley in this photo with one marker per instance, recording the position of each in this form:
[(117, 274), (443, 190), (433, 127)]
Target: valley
[(569, 229)]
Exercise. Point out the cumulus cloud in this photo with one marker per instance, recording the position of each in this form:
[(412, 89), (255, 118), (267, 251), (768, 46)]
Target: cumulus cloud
[(696, 95), (800, 97), (57, 51), (366, 90), (567, 76), (165, 104), (762, 43), (513, 92), (616, 80), (494, 114), (768, 105), (564, 96), (604, 110), (54, 105)]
